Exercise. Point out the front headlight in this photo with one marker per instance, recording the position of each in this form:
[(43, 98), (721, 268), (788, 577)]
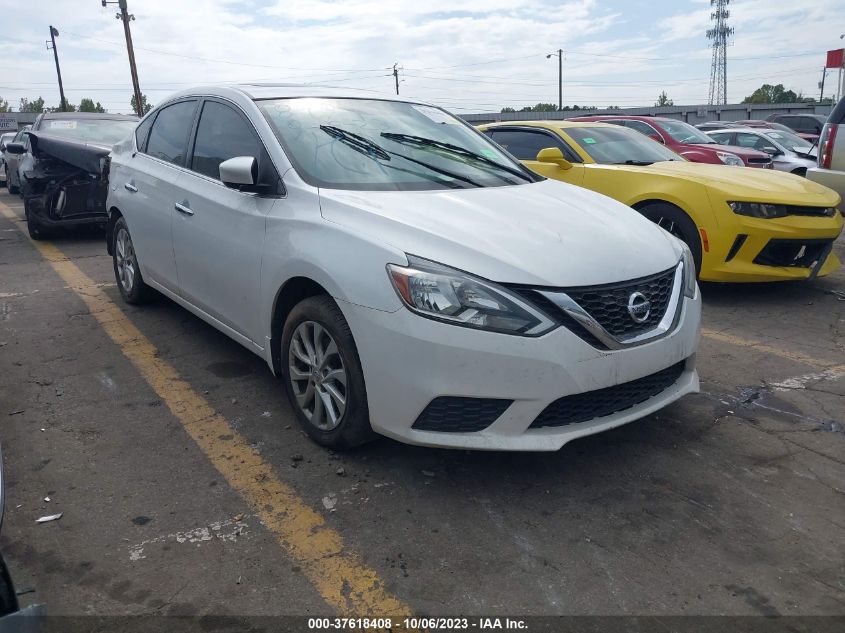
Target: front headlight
[(445, 294), (759, 209), (730, 159), (689, 272)]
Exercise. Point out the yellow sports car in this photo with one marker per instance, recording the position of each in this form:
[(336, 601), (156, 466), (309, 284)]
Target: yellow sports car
[(741, 224)]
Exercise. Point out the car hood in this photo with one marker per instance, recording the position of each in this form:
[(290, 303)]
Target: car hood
[(747, 184), (546, 233)]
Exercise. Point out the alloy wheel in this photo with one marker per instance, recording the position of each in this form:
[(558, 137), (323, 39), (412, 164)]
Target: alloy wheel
[(669, 225), (127, 264), (318, 375)]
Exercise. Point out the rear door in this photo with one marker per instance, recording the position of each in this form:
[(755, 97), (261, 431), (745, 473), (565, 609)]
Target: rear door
[(150, 179), (218, 232)]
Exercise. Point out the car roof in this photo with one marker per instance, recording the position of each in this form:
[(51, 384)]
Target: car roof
[(550, 124), (78, 116), (260, 91)]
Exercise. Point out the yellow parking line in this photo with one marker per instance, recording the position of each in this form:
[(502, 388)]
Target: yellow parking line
[(340, 576), (798, 357)]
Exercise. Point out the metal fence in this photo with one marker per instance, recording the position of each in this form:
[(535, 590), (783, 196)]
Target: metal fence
[(693, 114)]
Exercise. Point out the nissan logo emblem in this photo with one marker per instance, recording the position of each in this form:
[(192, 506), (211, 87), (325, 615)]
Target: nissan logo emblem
[(639, 307)]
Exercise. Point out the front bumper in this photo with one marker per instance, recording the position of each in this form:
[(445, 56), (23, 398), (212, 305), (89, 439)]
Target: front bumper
[(409, 361), (756, 250)]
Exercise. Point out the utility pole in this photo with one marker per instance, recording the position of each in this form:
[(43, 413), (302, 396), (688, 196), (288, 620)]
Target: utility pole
[(821, 85), (54, 33), (127, 17), (396, 76), (559, 56)]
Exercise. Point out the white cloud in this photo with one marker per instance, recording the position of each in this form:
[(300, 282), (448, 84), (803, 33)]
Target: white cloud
[(618, 54)]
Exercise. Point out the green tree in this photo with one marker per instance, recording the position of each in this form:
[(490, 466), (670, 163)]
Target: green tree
[(663, 100), (768, 93), (4, 105), (69, 107), (508, 110), (544, 107), (32, 106), (147, 106), (88, 105)]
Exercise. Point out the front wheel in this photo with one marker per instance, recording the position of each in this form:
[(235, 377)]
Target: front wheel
[(12, 187), (35, 229), (323, 375), (672, 219), (126, 270)]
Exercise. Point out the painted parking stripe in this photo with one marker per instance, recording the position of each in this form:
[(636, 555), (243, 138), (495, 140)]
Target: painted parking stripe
[(338, 574)]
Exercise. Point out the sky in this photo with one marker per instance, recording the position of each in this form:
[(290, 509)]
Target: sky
[(465, 55)]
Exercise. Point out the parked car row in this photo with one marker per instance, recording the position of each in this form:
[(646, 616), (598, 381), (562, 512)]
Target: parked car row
[(807, 126), (410, 276)]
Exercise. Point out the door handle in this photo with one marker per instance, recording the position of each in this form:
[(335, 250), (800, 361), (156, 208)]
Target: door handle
[(183, 209), (131, 188)]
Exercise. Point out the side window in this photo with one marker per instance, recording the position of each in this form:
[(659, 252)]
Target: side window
[(750, 140), (169, 134), (641, 127), (526, 144), (222, 134), (723, 138), (142, 133)]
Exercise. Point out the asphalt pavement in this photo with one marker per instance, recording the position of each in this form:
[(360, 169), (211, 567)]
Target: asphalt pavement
[(731, 501)]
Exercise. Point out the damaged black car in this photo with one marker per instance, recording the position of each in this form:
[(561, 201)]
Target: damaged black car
[(64, 167)]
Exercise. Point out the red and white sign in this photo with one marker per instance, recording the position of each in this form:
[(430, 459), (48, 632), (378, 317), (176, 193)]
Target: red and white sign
[(835, 59)]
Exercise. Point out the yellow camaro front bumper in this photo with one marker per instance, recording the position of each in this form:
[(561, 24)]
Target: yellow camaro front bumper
[(755, 249)]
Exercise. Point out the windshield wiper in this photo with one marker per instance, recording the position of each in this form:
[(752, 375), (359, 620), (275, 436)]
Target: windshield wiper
[(422, 141), (356, 141), (369, 148), (635, 162)]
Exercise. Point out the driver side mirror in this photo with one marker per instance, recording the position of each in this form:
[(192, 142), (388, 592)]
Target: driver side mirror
[(771, 151), (656, 137), (15, 148), (554, 156)]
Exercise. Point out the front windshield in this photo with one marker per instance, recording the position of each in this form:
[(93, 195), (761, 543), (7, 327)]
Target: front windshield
[(685, 133), (790, 140), (386, 145), (620, 146), (104, 131)]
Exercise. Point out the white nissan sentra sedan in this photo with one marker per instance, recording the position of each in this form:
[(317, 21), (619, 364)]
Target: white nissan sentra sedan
[(404, 275)]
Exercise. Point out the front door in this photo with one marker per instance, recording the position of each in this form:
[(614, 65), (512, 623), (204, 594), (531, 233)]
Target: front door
[(218, 232)]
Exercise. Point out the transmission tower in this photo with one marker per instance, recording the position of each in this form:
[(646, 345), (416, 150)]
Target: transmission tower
[(719, 35)]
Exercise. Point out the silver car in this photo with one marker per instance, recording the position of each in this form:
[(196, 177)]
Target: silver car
[(11, 161), (789, 151), (830, 170), (4, 138)]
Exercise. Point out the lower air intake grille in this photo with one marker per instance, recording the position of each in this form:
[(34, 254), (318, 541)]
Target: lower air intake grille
[(460, 415), (582, 407), (793, 253)]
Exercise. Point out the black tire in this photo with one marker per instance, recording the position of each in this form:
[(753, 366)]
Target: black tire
[(675, 221), (37, 231), (12, 188), (129, 280), (353, 424)]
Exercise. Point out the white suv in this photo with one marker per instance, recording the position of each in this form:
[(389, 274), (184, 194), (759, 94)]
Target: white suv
[(403, 273)]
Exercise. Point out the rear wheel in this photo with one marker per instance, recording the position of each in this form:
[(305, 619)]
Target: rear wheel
[(126, 270), (323, 375), (672, 219)]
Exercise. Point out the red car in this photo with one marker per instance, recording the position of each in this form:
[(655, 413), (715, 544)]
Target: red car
[(684, 139)]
